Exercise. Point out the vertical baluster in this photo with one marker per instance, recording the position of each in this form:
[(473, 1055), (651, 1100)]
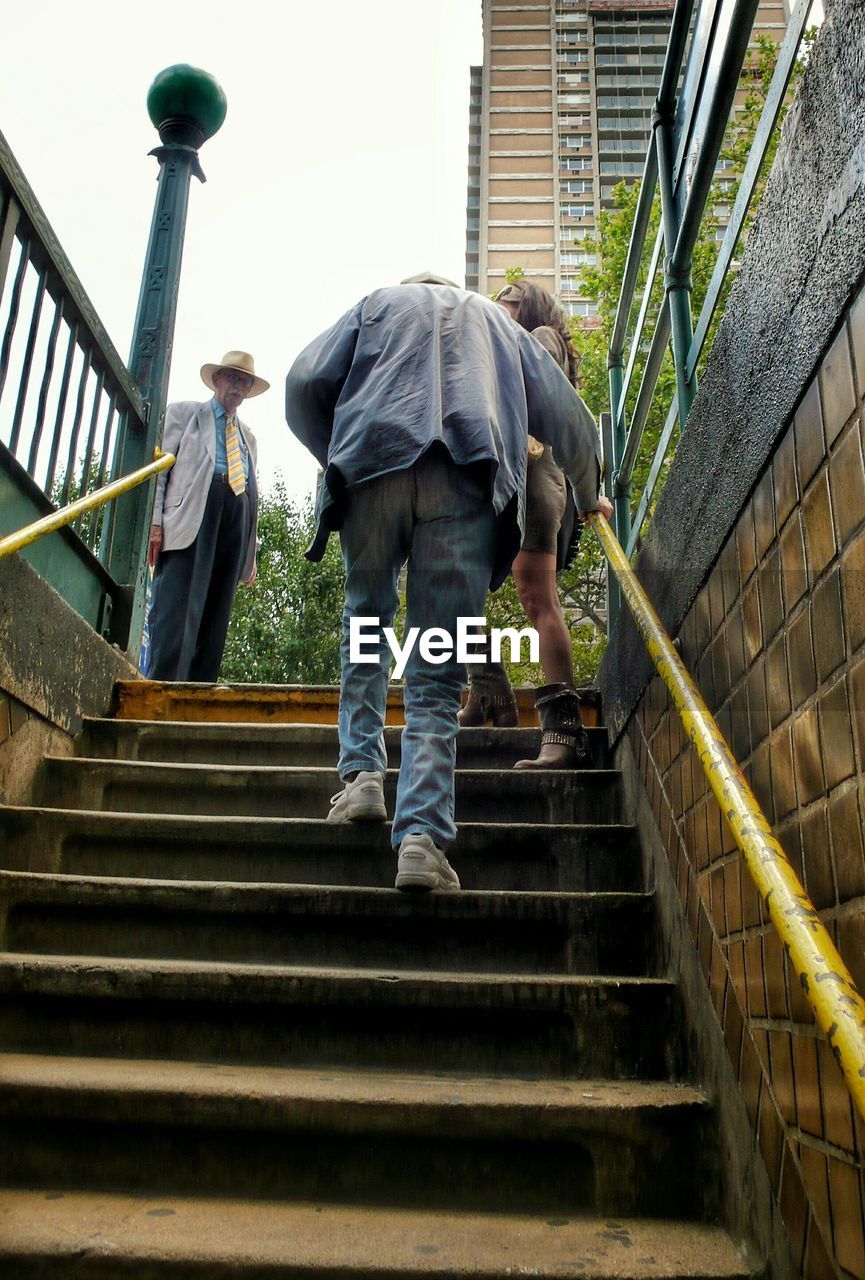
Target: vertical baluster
[(110, 509), (11, 213), (100, 516), (76, 431), (91, 438), (27, 363), (14, 307), (51, 469), (42, 403)]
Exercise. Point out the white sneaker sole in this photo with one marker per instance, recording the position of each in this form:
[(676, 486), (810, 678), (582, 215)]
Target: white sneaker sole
[(425, 882)]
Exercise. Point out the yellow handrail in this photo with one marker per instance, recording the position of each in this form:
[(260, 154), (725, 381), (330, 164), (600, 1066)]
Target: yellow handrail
[(31, 532), (838, 1007)]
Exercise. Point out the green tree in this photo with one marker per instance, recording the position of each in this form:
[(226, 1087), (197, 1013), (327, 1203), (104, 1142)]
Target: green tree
[(285, 628)]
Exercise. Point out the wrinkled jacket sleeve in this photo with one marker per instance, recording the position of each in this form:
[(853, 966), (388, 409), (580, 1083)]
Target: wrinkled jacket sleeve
[(315, 380), (561, 418), (177, 419)]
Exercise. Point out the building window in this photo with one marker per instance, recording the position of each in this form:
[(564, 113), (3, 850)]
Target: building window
[(582, 307), (577, 186)]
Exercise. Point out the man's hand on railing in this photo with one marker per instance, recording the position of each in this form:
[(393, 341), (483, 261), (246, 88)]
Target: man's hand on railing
[(154, 546), (605, 507)]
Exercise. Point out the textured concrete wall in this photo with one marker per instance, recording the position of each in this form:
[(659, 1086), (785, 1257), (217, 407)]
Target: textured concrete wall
[(54, 670), (756, 559)]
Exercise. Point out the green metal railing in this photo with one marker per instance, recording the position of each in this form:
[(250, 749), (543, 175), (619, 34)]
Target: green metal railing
[(687, 135), (825, 979)]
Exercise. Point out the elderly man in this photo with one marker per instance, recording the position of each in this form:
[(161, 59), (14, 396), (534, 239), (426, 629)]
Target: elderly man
[(419, 403), (205, 516)]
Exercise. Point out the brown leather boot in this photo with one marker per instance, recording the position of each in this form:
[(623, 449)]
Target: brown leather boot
[(564, 741), (491, 699)]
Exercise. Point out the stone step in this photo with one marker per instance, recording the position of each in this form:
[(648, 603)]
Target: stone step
[(278, 704), (516, 856), (122, 786), (363, 1138), (52, 1234), (293, 744), (362, 928), (268, 1015)]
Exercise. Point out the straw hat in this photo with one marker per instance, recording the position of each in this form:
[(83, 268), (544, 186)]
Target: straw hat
[(241, 362)]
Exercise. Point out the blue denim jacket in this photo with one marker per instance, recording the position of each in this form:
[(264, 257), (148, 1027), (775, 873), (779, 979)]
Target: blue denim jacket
[(410, 365)]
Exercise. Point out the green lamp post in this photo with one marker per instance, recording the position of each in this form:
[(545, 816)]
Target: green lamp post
[(187, 106)]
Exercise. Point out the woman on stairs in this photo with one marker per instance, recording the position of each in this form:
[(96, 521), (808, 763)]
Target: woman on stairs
[(550, 539)]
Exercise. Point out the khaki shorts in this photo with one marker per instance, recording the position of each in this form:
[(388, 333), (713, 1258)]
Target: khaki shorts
[(545, 503)]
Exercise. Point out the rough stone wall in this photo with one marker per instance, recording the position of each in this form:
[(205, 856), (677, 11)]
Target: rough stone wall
[(54, 670), (756, 561)]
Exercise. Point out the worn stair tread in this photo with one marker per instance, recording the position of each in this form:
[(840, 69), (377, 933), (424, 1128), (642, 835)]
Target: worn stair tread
[(266, 824), (80, 976), (254, 730), (404, 1101), (99, 731), (175, 768), (252, 895), (152, 1236)]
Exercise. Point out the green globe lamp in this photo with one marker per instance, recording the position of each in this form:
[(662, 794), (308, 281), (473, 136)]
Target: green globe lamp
[(187, 105)]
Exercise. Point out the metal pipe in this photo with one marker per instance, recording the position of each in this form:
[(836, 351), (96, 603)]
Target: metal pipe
[(655, 471), (637, 338), (750, 175), (666, 96), (677, 279), (676, 42), (826, 981), (700, 179), (635, 253), (48, 524), (657, 351)]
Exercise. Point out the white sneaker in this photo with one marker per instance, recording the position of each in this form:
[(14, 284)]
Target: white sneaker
[(360, 801), (422, 866)]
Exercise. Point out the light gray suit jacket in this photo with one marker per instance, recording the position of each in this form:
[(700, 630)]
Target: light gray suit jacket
[(181, 493)]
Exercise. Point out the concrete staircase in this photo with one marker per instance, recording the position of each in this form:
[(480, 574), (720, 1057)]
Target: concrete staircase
[(228, 1049)]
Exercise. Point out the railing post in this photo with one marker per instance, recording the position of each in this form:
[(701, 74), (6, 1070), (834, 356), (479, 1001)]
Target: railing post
[(677, 277), (187, 106)]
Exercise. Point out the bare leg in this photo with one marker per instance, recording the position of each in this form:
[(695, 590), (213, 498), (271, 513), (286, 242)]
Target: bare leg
[(535, 577), (564, 744)]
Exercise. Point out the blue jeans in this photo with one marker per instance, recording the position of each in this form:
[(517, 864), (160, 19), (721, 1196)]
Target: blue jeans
[(438, 517)]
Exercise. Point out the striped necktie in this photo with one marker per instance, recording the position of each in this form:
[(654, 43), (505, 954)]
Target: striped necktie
[(232, 452)]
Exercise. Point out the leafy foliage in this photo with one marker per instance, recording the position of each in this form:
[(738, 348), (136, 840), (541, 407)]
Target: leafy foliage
[(285, 628), (88, 526)]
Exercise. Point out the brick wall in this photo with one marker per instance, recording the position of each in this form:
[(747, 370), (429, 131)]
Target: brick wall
[(776, 642)]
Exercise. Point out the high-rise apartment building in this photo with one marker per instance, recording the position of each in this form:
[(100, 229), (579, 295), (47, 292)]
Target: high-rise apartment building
[(560, 112)]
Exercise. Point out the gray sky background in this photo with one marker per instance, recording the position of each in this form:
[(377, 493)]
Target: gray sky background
[(341, 165)]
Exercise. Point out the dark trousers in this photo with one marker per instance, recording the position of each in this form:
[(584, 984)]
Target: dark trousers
[(193, 590)]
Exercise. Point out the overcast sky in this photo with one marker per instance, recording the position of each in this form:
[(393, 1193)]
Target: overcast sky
[(341, 165)]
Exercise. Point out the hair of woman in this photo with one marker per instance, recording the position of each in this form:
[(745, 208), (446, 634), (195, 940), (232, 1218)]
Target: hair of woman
[(536, 309)]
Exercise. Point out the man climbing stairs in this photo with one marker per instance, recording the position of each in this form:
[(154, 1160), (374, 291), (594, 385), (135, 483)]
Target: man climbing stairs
[(228, 1048)]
